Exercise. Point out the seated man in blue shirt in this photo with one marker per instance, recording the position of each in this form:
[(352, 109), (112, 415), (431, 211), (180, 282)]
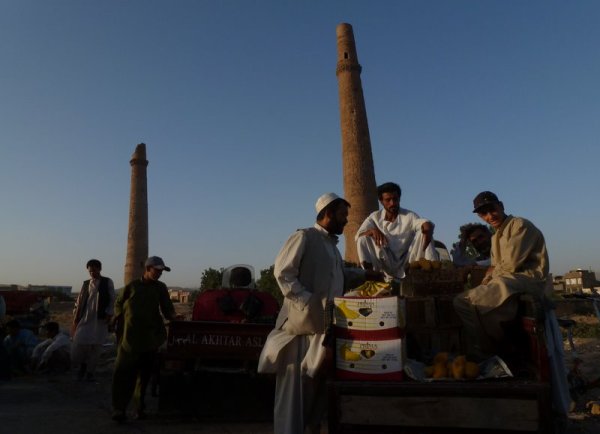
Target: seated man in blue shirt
[(19, 344), (54, 354), (474, 247)]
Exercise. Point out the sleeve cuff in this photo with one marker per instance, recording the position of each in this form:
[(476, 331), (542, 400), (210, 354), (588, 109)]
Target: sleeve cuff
[(300, 301)]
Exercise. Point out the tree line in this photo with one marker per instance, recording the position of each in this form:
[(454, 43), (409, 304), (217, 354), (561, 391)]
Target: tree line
[(211, 279)]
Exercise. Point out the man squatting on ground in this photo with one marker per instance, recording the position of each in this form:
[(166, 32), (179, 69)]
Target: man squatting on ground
[(310, 272), (53, 355), (392, 237), (92, 315), (519, 266), (139, 306)]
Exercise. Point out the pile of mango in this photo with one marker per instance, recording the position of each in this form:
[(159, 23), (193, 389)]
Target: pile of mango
[(457, 368), (427, 265)]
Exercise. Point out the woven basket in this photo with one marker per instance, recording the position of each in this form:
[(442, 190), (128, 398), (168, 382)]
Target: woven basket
[(432, 282)]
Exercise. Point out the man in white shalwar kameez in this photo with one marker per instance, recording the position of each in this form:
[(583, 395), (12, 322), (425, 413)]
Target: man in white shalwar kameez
[(92, 314), (392, 237), (310, 272)]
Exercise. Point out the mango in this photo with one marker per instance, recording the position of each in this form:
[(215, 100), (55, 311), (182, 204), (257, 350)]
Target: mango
[(425, 264), (440, 370), (471, 370), (441, 357), (459, 365)]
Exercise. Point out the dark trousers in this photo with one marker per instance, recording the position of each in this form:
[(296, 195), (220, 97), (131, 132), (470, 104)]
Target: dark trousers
[(131, 377)]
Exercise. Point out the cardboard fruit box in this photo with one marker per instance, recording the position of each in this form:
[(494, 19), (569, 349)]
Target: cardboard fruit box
[(369, 314), (378, 360)]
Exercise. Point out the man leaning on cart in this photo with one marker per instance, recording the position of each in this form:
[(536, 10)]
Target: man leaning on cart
[(519, 266)]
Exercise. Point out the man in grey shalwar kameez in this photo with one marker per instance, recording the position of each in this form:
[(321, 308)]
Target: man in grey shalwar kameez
[(310, 272)]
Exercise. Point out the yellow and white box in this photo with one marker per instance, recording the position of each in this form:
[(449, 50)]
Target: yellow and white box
[(363, 359), (369, 314)]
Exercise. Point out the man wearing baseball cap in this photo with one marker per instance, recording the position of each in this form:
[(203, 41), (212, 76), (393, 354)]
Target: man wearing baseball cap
[(310, 272), (519, 266), (139, 306)]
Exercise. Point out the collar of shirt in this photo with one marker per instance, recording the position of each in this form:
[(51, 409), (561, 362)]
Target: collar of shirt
[(503, 225), (323, 231)]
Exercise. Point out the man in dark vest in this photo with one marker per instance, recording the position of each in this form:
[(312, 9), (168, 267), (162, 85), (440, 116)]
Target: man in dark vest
[(91, 317)]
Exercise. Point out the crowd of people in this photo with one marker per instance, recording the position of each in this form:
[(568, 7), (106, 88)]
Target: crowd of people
[(310, 273), (136, 317)]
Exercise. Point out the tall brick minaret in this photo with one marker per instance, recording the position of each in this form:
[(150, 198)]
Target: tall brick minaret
[(360, 188), (137, 236)]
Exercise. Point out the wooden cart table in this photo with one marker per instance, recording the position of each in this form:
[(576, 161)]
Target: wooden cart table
[(498, 406)]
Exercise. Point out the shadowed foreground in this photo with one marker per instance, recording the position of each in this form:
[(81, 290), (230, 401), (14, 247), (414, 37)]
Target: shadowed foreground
[(60, 404)]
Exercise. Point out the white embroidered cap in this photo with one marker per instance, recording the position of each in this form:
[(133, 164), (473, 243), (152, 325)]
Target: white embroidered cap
[(325, 200)]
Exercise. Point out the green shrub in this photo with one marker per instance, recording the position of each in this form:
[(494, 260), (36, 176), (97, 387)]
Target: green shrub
[(584, 330)]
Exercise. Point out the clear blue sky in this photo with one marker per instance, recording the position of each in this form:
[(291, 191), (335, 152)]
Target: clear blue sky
[(237, 102)]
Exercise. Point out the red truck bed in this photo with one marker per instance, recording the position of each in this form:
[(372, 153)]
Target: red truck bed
[(208, 370)]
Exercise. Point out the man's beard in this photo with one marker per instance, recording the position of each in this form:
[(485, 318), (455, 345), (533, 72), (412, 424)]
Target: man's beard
[(338, 228)]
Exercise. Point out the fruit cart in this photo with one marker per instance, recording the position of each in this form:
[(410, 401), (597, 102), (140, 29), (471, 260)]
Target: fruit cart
[(520, 404)]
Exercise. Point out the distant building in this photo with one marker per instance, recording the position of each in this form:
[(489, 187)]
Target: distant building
[(4, 287), (179, 295), (38, 288), (50, 288), (580, 281), (558, 283)]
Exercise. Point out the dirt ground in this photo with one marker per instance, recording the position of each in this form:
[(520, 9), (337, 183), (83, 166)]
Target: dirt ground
[(59, 404)]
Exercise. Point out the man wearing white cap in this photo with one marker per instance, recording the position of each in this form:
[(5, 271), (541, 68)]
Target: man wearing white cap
[(310, 272), (143, 332)]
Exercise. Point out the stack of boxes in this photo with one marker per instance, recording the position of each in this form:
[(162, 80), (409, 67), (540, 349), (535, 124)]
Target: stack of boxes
[(433, 326), (432, 323), (369, 338)]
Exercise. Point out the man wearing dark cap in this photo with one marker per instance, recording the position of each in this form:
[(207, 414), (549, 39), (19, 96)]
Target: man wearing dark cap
[(139, 305), (519, 266), (310, 272)]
